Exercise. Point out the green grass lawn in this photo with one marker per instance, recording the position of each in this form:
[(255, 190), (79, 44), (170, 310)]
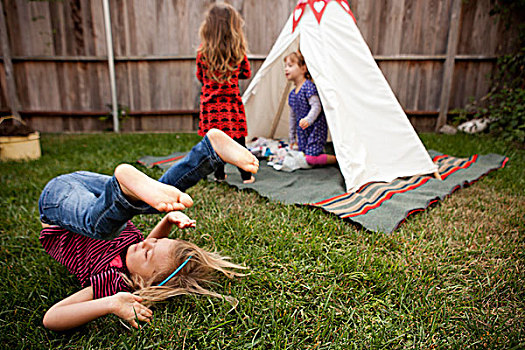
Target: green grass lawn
[(449, 277)]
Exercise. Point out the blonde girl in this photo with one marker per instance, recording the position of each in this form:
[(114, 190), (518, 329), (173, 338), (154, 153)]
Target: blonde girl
[(85, 218)]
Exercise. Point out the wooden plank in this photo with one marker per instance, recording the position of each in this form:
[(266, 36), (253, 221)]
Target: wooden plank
[(12, 100), (471, 81), (101, 86), (408, 29), (124, 88), (3, 89), (97, 23), (56, 14), (448, 74), (42, 87), (438, 24)]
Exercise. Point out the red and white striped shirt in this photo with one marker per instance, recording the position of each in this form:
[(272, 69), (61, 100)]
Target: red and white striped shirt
[(95, 262)]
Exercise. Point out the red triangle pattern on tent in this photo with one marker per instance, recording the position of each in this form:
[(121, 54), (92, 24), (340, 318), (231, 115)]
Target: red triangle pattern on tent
[(318, 7)]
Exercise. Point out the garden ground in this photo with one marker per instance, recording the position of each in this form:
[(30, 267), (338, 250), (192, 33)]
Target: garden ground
[(449, 277)]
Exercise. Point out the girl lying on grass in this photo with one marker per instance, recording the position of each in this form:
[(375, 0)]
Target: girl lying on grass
[(85, 218)]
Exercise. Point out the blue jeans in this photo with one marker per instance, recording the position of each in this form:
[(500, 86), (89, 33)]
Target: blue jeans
[(93, 204)]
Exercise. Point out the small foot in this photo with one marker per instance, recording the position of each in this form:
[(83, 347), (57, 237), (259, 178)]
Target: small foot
[(137, 186), (249, 181), (221, 180), (232, 152)]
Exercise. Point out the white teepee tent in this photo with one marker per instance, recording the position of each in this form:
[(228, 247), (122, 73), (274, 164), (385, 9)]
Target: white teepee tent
[(373, 138)]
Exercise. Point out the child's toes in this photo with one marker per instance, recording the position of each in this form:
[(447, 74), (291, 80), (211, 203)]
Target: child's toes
[(185, 200), (175, 206), (252, 168)]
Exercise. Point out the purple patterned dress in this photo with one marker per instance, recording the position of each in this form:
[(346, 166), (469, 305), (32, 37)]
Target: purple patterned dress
[(311, 140)]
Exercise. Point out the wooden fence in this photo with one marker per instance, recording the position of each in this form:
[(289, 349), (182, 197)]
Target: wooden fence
[(434, 53)]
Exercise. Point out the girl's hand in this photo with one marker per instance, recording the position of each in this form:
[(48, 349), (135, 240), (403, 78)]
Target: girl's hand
[(303, 123), (180, 219), (129, 308), (163, 228)]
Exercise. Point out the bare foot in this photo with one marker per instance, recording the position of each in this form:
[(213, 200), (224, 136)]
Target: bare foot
[(137, 186), (231, 152), (249, 181)]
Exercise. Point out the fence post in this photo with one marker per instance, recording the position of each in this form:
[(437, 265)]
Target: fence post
[(111, 65), (448, 71), (12, 98)]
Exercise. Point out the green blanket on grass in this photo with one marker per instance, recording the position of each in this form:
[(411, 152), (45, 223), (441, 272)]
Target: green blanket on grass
[(376, 206)]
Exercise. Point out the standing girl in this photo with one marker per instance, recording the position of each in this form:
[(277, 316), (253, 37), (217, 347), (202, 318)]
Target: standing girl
[(221, 62), (86, 228), (308, 128)]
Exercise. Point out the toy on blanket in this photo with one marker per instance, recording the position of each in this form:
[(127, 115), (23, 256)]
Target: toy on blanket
[(289, 160), (263, 148), (279, 154)]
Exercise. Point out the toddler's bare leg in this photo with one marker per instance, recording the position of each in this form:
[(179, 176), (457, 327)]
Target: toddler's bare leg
[(331, 159), (231, 152), (137, 186)]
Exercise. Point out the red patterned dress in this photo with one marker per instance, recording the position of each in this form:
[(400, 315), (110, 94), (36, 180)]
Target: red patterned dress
[(221, 103)]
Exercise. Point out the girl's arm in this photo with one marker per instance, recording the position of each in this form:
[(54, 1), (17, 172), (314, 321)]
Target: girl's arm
[(246, 71), (315, 110), (163, 228), (80, 308)]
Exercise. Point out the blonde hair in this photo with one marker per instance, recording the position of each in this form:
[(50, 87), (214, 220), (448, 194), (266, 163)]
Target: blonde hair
[(223, 45), (297, 57), (191, 279)]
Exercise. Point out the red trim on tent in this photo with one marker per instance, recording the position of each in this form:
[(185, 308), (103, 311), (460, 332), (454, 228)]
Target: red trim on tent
[(298, 13), (318, 7), (345, 7)]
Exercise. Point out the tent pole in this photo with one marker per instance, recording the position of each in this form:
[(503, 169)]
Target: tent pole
[(277, 116)]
